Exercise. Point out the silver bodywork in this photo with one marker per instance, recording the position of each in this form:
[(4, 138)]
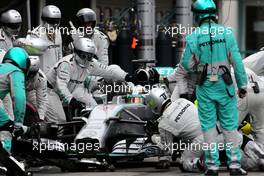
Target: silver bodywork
[(102, 116)]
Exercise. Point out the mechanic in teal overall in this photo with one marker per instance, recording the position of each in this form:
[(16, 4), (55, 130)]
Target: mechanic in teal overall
[(210, 51), (12, 80)]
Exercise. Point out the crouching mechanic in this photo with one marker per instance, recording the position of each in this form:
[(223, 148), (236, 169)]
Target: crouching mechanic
[(36, 87), (253, 158), (12, 71), (66, 79), (180, 119), (253, 104), (177, 119)]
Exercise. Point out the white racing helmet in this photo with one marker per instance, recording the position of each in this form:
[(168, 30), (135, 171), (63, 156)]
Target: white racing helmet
[(87, 18), (157, 100), (51, 15), (86, 15), (11, 21), (84, 50)]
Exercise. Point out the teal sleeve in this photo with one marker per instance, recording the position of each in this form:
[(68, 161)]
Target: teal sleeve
[(17, 85), (239, 70), (186, 61)]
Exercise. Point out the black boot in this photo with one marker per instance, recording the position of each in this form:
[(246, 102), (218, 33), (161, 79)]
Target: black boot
[(238, 171), (163, 164), (210, 172)]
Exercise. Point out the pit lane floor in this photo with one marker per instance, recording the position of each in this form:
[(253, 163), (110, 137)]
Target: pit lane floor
[(145, 171), (135, 172)]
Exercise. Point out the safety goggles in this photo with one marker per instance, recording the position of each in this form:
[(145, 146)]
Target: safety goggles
[(86, 18), (12, 25), (52, 21), (84, 55)]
